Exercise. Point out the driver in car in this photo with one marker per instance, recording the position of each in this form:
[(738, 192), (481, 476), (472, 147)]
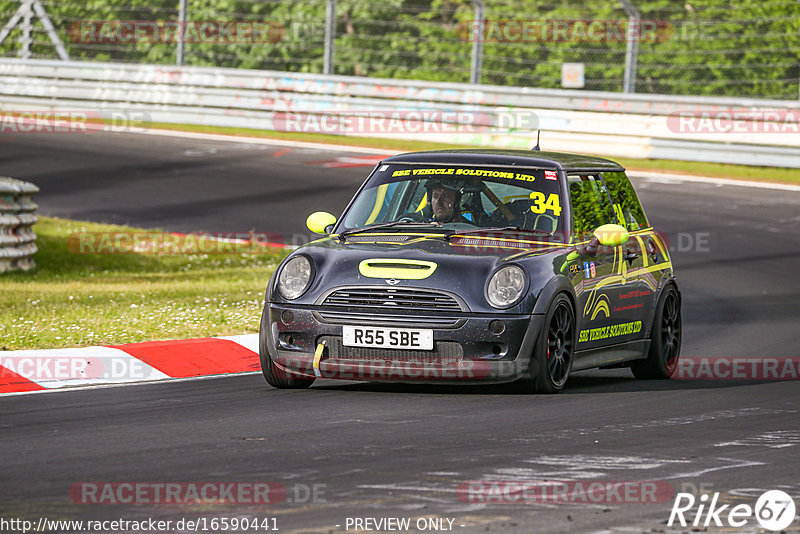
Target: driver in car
[(445, 197)]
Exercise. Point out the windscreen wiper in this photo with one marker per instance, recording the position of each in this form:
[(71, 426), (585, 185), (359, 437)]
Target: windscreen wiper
[(451, 233), (383, 226)]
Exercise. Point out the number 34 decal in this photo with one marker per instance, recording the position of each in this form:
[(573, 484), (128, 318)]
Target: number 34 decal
[(539, 204)]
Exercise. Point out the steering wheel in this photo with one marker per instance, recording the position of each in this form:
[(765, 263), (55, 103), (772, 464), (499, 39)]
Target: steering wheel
[(411, 217), (499, 218)]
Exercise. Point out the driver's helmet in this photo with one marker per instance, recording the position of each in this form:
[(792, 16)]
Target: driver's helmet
[(445, 183)]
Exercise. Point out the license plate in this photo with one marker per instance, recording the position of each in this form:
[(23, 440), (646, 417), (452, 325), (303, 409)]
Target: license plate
[(387, 338)]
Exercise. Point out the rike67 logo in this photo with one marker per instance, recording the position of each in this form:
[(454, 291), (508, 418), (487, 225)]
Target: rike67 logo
[(774, 510)]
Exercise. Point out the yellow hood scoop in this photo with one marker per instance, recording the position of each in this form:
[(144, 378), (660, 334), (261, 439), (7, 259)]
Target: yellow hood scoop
[(396, 268)]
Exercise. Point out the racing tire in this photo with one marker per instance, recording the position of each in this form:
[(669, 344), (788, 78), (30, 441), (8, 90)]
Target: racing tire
[(665, 339), (554, 351), (275, 376)]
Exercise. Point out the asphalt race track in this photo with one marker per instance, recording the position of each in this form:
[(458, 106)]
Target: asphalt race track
[(383, 451)]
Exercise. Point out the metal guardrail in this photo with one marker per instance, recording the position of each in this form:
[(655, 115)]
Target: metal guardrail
[(614, 124), (17, 240)]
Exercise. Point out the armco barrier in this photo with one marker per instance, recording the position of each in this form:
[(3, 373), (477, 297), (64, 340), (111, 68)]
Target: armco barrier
[(17, 240), (615, 124)]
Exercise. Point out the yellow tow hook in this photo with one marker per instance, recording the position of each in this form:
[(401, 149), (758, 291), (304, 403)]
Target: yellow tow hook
[(318, 358)]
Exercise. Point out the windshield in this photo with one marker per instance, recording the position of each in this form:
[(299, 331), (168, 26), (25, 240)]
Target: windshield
[(457, 197)]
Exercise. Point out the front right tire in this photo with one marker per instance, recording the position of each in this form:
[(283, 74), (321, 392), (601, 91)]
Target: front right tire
[(551, 361), (274, 375)]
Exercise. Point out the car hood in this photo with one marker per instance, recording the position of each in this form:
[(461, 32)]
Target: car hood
[(461, 265)]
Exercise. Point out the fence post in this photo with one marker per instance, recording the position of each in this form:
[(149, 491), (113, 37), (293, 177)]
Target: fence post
[(477, 42), (632, 46), (330, 36), (26, 28), (26, 10), (50, 29), (183, 9)]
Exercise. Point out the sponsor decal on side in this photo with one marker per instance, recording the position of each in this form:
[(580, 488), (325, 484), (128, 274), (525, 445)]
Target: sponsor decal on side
[(589, 270), (614, 330)]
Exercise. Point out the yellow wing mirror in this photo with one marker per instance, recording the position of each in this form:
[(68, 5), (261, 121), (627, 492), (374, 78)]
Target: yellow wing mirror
[(608, 235), (611, 235), (320, 222)]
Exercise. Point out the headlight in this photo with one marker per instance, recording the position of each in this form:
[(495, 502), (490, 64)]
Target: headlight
[(506, 286), (294, 278)]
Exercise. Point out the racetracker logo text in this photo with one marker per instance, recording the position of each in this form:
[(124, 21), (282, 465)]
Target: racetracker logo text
[(196, 31), (45, 368), (569, 492), (171, 243), (566, 31), (733, 121), (396, 122), (738, 368), (170, 493), (71, 122), (391, 370)]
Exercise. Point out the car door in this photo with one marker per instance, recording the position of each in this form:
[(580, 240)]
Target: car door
[(595, 276), (644, 256)]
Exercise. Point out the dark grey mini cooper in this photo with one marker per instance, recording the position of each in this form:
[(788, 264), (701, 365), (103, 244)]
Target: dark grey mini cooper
[(476, 266)]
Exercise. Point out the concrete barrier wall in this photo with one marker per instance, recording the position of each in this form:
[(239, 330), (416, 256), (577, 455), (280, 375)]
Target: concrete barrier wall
[(726, 130)]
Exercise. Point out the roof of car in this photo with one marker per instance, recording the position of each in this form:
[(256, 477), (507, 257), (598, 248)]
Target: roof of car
[(526, 158)]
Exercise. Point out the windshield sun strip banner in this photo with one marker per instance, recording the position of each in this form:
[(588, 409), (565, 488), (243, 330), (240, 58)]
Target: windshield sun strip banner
[(492, 165), (464, 173)]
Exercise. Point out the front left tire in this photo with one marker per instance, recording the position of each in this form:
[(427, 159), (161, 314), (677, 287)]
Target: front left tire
[(665, 339)]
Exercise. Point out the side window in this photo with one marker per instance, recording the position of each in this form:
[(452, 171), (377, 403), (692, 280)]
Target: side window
[(591, 205), (627, 205)]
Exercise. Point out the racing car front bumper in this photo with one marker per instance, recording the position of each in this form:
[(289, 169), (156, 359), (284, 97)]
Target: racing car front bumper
[(305, 341)]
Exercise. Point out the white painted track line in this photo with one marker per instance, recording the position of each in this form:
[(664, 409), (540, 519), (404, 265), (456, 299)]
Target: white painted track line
[(368, 150)]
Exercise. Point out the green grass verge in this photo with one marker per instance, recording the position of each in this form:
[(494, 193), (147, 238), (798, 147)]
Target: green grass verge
[(717, 170), (73, 299)]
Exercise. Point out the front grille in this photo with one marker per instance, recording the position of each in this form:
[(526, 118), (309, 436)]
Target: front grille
[(398, 320), (443, 351), (394, 299)]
